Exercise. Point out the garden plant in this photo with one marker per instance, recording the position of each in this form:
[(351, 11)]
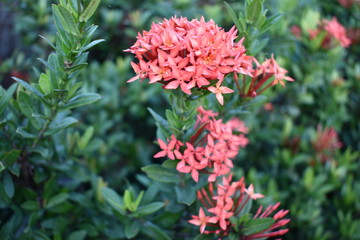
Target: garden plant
[(179, 119)]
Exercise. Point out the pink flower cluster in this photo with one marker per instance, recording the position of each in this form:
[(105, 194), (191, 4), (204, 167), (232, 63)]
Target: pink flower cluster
[(348, 3), (334, 31), (269, 69), (210, 149), (326, 142), (185, 54), (229, 200)]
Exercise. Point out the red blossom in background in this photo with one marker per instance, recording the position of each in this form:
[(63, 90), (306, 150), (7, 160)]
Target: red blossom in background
[(348, 3), (189, 54), (269, 69), (229, 199), (211, 148), (334, 31), (326, 142)]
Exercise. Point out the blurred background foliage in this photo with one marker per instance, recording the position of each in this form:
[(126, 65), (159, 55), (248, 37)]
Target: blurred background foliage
[(114, 137)]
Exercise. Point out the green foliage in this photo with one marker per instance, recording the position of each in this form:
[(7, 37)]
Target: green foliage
[(77, 141)]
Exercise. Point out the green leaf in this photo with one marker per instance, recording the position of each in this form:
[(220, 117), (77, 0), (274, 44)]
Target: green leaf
[(10, 157), (185, 195), (270, 22), (30, 88), (154, 232), (161, 174), (30, 205), (113, 199), (89, 11), (76, 67), (138, 200), (240, 25), (6, 96), (49, 42), (24, 133), (47, 64), (66, 19), (85, 139), (253, 11), (90, 45), (2, 167), (8, 185), (257, 225), (73, 89), (77, 235), (81, 100), (57, 199), (45, 84), (132, 229), (148, 209), (128, 199), (26, 106), (59, 124)]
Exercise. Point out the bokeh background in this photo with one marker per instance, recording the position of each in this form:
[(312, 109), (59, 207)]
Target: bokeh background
[(291, 156)]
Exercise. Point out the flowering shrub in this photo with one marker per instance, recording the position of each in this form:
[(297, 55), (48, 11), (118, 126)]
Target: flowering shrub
[(185, 54), (74, 165), (196, 54)]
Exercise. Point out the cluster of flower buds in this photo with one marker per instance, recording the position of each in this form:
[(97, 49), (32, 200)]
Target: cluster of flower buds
[(229, 199), (210, 149)]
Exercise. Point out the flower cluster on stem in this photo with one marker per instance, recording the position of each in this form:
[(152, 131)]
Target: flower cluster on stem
[(211, 148), (184, 54), (228, 200)]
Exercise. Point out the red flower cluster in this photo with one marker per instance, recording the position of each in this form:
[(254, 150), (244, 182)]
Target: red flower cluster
[(334, 31), (185, 54), (326, 142), (348, 3), (269, 69), (229, 200), (212, 146)]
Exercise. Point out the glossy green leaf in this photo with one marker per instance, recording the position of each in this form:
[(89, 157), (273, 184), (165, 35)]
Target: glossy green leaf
[(154, 231), (77, 235), (30, 88), (30, 205), (57, 199), (2, 167), (5, 96), (92, 44), (161, 174), (132, 229), (270, 22), (9, 157), (76, 67), (66, 19), (240, 25), (81, 100), (89, 10), (59, 124), (149, 209), (26, 106), (185, 194), (45, 84), (253, 11), (113, 199), (8, 185), (24, 133), (257, 225)]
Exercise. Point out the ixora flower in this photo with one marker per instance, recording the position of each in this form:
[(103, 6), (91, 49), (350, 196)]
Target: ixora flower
[(228, 200), (267, 74), (334, 31), (210, 149), (184, 54), (326, 142)]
